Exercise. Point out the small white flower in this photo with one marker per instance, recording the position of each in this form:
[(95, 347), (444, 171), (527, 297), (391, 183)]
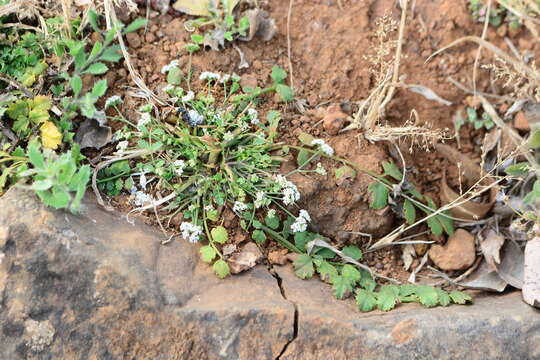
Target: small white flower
[(189, 96), (225, 78), (190, 232), (168, 88), (254, 116), (122, 145), (260, 199), (290, 191), (145, 119), (143, 181), (239, 206), (142, 198), (209, 208), (323, 146), (179, 167), (113, 100), (207, 75), (169, 66), (300, 223), (320, 169), (271, 213), (228, 136)]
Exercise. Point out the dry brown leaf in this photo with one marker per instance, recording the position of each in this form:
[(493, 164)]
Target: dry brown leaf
[(512, 263), (244, 260), (260, 25), (484, 278), (92, 134), (491, 245), (469, 210), (531, 280), (193, 7), (408, 256)]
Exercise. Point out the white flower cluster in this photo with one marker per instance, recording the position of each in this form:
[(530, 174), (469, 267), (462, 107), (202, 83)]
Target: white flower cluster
[(260, 200), (271, 213), (239, 206), (253, 115), (142, 198), (145, 119), (179, 166), (189, 96), (207, 75), (320, 169), (300, 224), (226, 77), (169, 66), (290, 191), (190, 232), (113, 100), (323, 146), (122, 145)]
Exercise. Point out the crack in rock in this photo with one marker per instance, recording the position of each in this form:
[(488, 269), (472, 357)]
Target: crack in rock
[(279, 282)]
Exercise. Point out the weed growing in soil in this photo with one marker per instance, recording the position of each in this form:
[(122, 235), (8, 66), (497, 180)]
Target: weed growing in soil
[(220, 25), (477, 121), (215, 153)]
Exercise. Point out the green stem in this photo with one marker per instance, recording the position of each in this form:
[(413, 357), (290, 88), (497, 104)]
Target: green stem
[(281, 240)]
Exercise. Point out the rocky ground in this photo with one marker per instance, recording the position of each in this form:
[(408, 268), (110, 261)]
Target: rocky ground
[(72, 290)]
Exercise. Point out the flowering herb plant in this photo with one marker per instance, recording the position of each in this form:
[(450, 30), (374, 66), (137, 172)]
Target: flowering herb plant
[(209, 155)]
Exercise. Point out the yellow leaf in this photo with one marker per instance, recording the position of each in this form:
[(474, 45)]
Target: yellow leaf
[(50, 136), (193, 7), (42, 102)]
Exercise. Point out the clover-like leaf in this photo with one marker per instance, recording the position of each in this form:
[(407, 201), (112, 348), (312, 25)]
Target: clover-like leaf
[(303, 266), (365, 300), (221, 268), (219, 234), (207, 253)]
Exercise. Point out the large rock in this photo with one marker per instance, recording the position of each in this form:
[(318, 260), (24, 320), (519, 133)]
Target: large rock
[(96, 287)]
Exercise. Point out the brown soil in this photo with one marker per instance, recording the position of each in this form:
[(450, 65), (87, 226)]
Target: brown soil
[(328, 49)]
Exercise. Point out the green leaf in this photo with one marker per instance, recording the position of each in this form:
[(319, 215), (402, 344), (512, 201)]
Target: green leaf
[(472, 116), (42, 185), (285, 92), (56, 198), (112, 54), (434, 225), (409, 211), (100, 88), (135, 25), (272, 222), (350, 273), (459, 297), (342, 287), (380, 195), (392, 170), (446, 222), (305, 138), (352, 252), (367, 281), (518, 169), (427, 295), (258, 236), (221, 268), (197, 39), (300, 240), (278, 75), (303, 266), (93, 19), (34, 154), (96, 69), (407, 289), (174, 76), (534, 139), (207, 253), (95, 49), (326, 271), (219, 234), (365, 300), (80, 60), (303, 157), (387, 298), (345, 171), (444, 298)]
